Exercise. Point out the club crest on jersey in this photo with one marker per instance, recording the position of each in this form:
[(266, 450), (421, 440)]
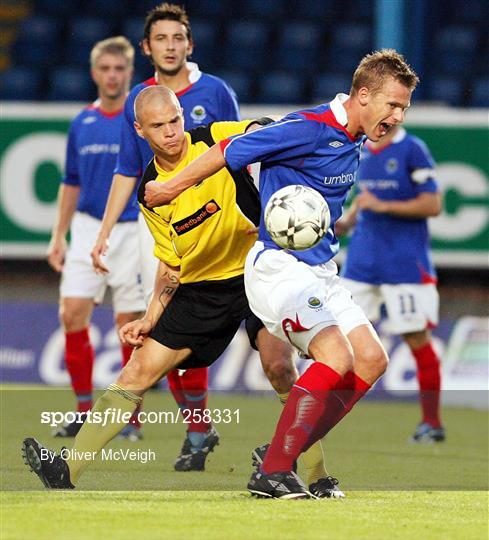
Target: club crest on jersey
[(197, 218), (392, 165), (198, 113), (314, 302)]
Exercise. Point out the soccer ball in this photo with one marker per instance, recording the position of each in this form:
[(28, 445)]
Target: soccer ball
[(297, 217)]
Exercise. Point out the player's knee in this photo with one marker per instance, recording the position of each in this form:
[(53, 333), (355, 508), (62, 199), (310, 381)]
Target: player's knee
[(281, 372), (71, 319), (374, 357), (134, 377)]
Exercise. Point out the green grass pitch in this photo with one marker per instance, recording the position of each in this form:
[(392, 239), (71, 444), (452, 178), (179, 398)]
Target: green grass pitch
[(395, 490)]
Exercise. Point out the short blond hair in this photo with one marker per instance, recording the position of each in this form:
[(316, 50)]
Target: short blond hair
[(113, 45), (378, 66)]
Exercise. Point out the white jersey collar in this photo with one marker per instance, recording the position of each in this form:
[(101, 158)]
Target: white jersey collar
[(338, 110), (194, 73)]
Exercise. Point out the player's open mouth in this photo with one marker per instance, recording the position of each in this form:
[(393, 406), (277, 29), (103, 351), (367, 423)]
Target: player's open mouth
[(384, 127)]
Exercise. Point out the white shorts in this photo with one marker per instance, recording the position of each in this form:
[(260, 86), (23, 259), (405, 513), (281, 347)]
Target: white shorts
[(79, 279), (149, 263), (410, 307), (290, 296)]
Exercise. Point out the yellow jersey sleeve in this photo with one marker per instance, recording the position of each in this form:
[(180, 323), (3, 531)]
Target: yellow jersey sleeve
[(160, 231), (223, 130)]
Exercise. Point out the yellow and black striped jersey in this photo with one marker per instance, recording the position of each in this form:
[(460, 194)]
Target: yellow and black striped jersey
[(204, 230)]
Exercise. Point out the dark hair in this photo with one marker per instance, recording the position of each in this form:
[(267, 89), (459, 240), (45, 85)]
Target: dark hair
[(167, 12), (376, 67)]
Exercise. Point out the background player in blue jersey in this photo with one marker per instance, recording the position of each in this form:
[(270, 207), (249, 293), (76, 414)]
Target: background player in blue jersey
[(388, 260), (167, 42), (297, 294), (93, 144)]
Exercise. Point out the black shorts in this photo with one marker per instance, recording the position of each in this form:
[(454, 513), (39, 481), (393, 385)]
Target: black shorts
[(204, 317)]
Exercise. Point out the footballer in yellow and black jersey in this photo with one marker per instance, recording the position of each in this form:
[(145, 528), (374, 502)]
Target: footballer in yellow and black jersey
[(204, 231)]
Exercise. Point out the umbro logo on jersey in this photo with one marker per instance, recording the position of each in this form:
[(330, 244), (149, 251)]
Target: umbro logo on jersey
[(336, 144), (89, 120), (197, 218)]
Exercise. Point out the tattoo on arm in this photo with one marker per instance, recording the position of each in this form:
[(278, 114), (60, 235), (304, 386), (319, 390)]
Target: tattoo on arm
[(168, 289)]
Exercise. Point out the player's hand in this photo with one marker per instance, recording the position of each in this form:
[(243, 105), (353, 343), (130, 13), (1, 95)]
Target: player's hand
[(368, 201), (156, 194), (254, 230), (134, 332), (56, 253), (341, 227), (98, 251)]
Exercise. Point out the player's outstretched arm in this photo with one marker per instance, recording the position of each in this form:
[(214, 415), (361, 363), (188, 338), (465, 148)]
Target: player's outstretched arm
[(166, 283), (67, 202), (120, 193), (206, 165), (423, 206)]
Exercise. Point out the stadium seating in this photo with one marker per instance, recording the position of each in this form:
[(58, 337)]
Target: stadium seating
[(311, 43), (132, 28), (71, 84), (39, 28), (40, 55), (246, 46), (259, 10), (240, 82), (448, 90), (317, 10), (281, 87), (214, 10), (479, 92), (299, 46), (89, 29), (21, 83), (58, 8), (327, 85)]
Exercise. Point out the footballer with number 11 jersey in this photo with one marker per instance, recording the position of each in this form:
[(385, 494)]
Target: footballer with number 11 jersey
[(389, 259)]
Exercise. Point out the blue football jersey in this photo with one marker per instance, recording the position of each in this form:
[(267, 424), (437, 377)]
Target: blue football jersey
[(207, 99), (386, 248), (91, 154), (310, 147)]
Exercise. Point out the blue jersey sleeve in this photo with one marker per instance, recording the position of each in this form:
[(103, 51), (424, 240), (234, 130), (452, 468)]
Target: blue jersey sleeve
[(421, 167), (290, 138), (228, 103), (129, 159), (72, 176)]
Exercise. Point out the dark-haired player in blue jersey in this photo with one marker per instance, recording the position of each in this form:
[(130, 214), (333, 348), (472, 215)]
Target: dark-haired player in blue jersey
[(167, 42), (93, 144), (389, 261), (297, 294)]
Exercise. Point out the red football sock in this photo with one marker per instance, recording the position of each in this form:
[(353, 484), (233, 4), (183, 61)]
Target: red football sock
[(340, 402), (304, 409), (126, 356), (194, 384), (79, 358), (175, 386), (429, 378)]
